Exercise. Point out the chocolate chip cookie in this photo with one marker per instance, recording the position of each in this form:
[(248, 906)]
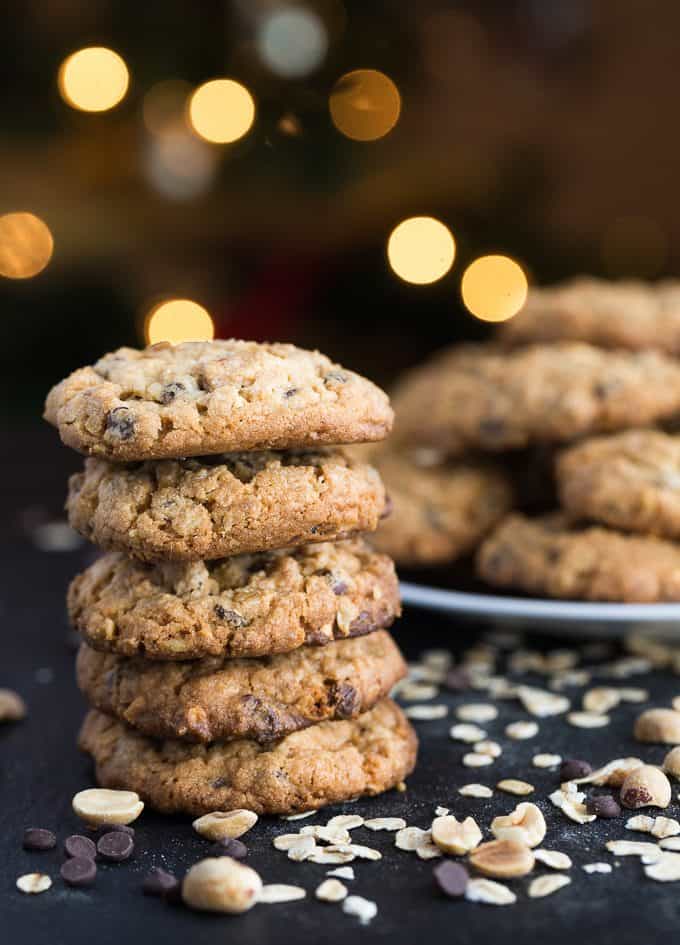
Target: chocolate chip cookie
[(440, 509), (210, 397), (324, 764), (218, 698), (630, 481), (551, 556), (248, 605), (482, 397), (627, 314), (229, 504)]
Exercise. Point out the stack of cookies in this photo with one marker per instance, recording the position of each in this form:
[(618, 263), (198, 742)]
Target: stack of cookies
[(582, 377), (235, 650)]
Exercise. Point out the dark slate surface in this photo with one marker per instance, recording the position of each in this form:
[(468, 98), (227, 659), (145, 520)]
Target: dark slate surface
[(40, 770)]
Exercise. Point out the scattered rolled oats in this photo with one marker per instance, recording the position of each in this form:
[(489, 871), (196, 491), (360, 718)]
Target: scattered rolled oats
[(426, 713), (342, 872), (363, 909), (601, 699), (587, 720), (410, 838), (670, 843), (640, 823), (597, 868), (612, 774), (503, 859), (285, 841), (441, 811), (513, 786), (475, 790), (474, 760), (646, 786), (225, 825), (493, 749), (345, 822), (385, 823), (572, 677), (658, 725), (546, 761), (326, 834), (671, 763), (477, 712), (302, 849), (331, 890), (329, 856), (525, 823), (665, 827), (572, 808), (454, 836), (521, 730), (464, 732), (542, 703), (302, 816), (490, 893), (666, 869), (34, 883), (416, 691), (280, 892), (547, 885), (102, 806), (554, 859), (630, 694), (357, 849), (428, 851), (632, 848), (12, 709)]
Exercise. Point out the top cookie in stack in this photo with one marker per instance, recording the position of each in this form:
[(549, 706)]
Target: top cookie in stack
[(232, 610)]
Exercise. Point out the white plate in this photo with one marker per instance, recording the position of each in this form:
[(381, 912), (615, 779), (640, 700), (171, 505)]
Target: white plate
[(576, 617)]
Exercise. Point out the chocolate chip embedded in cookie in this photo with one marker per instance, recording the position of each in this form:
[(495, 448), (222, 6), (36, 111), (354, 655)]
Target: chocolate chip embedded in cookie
[(220, 698), (629, 481), (248, 605), (210, 397), (229, 504), (628, 314), (550, 556), (482, 397), (441, 510), (324, 764)]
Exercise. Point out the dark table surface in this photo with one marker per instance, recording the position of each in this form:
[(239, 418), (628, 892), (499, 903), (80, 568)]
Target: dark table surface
[(41, 769)]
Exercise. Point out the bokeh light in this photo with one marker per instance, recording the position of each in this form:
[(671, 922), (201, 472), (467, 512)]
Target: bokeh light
[(179, 165), (177, 320), (26, 245), (94, 79), (365, 105), (164, 106), (494, 288), (292, 42), (221, 111), (421, 250)]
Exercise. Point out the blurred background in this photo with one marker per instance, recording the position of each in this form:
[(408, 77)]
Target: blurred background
[(262, 168)]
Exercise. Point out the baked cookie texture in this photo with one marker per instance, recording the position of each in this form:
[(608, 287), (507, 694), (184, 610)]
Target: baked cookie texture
[(551, 556), (209, 397), (262, 699), (245, 606), (483, 397), (630, 480), (627, 314), (324, 764), (440, 509), (229, 504)]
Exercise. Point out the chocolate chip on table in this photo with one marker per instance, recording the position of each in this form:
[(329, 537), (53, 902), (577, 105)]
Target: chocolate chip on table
[(36, 838), (79, 871), (115, 846), (79, 846), (458, 680), (230, 846), (603, 806), (161, 883), (452, 878), (574, 768), (116, 828)]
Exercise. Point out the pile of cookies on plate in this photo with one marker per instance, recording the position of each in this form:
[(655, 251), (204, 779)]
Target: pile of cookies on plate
[(235, 651), (570, 410)]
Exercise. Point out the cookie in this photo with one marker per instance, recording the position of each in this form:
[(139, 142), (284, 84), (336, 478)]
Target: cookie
[(440, 510), (208, 397), (627, 314), (248, 605), (323, 764), (230, 504), (218, 698), (629, 481), (550, 556), (482, 397)]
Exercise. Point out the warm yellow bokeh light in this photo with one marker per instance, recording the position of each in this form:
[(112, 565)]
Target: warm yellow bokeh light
[(178, 320), (494, 288), (365, 104), (26, 245), (221, 111), (421, 250), (93, 79)]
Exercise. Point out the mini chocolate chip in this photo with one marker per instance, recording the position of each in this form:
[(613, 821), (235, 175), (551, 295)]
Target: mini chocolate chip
[(335, 377), (603, 806), (573, 768), (232, 618), (345, 698), (36, 838), (340, 587), (79, 846), (121, 422), (220, 783), (116, 828), (79, 871), (229, 847), (492, 427), (291, 392), (160, 883), (170, 391), (115, 846), (452, 878), (458, 680)]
